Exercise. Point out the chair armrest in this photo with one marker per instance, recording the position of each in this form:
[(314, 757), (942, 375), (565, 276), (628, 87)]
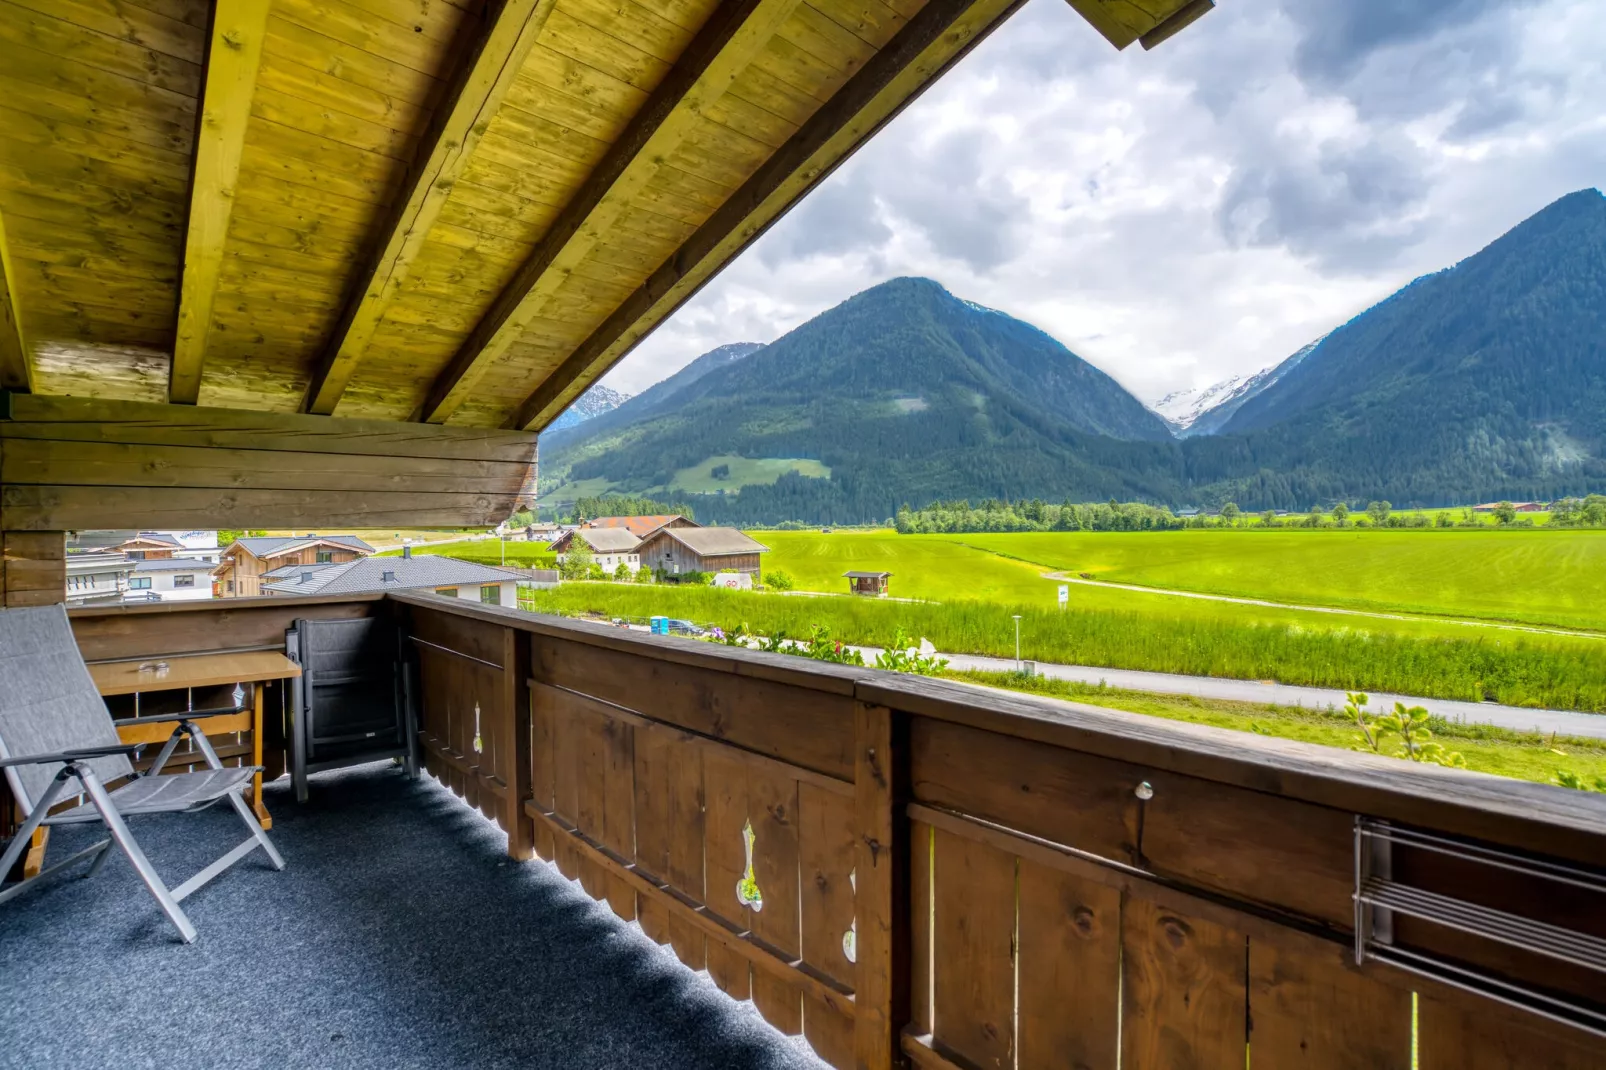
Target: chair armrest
[(183, 715), (77, 754)]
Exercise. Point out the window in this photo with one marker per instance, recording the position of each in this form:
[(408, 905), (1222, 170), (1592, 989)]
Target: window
[(231, 586), (449, 592), (139, 583), (491, 594), (183, 581), (325, 557)]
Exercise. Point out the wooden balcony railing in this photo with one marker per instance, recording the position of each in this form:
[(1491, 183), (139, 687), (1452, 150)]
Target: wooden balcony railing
[(907, 869)]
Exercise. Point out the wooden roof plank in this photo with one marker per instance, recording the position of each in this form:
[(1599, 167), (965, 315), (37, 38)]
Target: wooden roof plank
[(233, 56), (933, 40), (485, 76), (732, 37), (16, 370)]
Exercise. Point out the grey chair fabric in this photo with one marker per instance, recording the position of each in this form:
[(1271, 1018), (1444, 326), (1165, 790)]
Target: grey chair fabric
[(164, 794), (48, 702), (50, 708)]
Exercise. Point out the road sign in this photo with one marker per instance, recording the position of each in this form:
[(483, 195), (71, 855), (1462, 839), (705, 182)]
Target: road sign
[(1065, 594)]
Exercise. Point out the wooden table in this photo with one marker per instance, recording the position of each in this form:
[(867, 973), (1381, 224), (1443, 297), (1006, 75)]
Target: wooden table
[(200, 670)]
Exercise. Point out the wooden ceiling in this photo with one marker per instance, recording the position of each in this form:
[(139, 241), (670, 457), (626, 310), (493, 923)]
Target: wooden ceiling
[(436, 210)]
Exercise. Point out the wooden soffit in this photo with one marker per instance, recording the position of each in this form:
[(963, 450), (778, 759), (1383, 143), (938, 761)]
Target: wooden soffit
[(434, 211)]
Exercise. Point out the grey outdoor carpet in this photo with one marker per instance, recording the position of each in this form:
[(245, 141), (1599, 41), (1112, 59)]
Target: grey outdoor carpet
[(398, 935)]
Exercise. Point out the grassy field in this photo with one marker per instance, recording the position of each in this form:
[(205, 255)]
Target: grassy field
[(952, 568), (743, 470), (1555, 577), (1487, 750), (1513, 668)]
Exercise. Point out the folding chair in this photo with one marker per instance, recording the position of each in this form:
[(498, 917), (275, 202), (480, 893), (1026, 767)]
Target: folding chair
[(58, 740)]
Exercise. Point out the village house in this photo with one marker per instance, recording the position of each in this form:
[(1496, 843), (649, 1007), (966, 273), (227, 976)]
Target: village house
[(639, 526), (447, 576), (610, 547), (672, 551), (243, 563)]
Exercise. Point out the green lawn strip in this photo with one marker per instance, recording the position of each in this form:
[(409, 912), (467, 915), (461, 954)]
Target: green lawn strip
[(489, 552), (1514, 671), (1487, 749)]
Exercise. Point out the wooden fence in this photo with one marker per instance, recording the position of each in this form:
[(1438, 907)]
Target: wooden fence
[(903, 869)]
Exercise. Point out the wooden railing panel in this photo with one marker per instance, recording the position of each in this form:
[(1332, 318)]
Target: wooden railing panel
[(1070, 969), (1184, 995), (1249, 844), (725, 859), (791, 724), (973, 947), (772, 812), (1046, 883), (124, 633), (1310, 1007)]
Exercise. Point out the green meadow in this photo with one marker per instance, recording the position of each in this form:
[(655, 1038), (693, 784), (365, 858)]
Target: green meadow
[(1515, 668), (1537, 576), (1540, 578), (490, 552)]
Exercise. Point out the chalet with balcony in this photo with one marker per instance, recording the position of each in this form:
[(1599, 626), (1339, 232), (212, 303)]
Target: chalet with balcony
[(405, 238), (244, 562)]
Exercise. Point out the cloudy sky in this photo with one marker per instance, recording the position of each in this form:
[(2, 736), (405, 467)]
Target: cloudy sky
[(1198, 211)]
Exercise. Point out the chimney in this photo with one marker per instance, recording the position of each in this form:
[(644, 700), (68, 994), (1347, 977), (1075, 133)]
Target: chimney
[(407, 549), (306, 577)]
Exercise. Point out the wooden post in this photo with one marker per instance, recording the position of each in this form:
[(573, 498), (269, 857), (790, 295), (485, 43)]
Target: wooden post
[(881, 902), (516, 704)]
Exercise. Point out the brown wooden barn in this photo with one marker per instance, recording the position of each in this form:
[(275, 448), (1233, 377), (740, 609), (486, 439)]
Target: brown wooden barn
[(671, 551)]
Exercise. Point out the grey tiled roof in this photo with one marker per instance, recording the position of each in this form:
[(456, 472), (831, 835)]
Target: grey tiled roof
[(609, 540), (712, 542), (368, 574), (263, 545)]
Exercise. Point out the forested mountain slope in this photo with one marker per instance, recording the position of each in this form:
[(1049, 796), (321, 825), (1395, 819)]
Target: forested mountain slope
[(1483, 381)]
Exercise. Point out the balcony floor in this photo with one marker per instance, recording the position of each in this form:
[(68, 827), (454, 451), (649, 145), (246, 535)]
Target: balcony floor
[(398, 935)]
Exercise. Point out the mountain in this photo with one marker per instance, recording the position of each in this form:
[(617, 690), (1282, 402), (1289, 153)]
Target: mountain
[(901, 393), (1484, 380), (654, 398), (1213, 416), (597, 400)]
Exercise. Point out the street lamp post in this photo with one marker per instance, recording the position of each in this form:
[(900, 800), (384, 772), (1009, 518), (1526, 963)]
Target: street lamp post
[(1017, 643)]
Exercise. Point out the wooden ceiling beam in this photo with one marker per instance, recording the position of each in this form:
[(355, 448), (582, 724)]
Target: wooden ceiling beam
[(936, 38), (233, 54), (16, 369), (722, 49), (482, 80)]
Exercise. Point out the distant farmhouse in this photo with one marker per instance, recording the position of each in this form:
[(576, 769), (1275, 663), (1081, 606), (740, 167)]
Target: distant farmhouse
[(242, 565), (669, 545), (444, 575), (672, 551), (1521, 507), (610, 546)]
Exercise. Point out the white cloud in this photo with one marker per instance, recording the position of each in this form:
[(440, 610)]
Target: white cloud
[(1203, 210)]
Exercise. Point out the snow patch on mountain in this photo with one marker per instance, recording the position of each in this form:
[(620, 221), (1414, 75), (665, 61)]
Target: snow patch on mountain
[(594, 402), (1205, 411)]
